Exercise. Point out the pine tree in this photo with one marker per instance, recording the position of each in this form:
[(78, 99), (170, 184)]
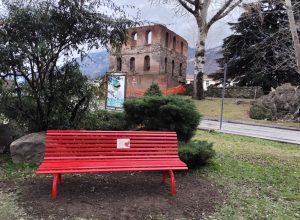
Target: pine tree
[(260, 51)]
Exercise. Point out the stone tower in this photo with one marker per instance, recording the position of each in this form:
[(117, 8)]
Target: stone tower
[(152, 54)]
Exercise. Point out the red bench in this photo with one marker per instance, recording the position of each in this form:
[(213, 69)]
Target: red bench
[(71, 151)]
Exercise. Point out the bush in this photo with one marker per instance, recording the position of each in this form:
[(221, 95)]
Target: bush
[(153, 90), (163, 113), (260, 113), (196, 153), (104, 120)]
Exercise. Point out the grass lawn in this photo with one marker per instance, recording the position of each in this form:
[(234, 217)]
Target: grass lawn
[(211, 107), (261, 178)]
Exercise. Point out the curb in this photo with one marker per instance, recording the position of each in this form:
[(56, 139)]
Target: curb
[(253, 123)]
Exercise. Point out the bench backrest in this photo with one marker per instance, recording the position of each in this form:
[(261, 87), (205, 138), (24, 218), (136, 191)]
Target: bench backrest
[(78, 144)]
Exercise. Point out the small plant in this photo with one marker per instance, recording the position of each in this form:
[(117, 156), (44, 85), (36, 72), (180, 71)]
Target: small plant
[(196, 153), (153, 90)]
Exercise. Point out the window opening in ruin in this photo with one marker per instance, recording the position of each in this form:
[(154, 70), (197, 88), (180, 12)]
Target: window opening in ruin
[(167, 40), (173, 64), (180, 69), (134, 37), (166, 64), (119, 64), (132, 64), (174, 43), (181, 48), (147, 63), (148, 37)]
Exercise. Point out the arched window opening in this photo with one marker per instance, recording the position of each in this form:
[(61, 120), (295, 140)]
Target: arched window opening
[(180, 69), (147, 63), (132, 64), (181, 48), (173, 65), (166, 64), (134, 37), (148, 39), (167, 40), (174, 43), (119, 64)]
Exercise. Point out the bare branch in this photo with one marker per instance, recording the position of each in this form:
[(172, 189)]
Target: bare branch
[(185, 5), (225, 10)]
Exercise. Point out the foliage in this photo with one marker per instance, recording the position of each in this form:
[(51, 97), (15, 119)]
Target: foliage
[(196, 153), (260, 113), (104, 120), (61, 108), (153, 90), (37, 42), (163, 113), (260, 51)]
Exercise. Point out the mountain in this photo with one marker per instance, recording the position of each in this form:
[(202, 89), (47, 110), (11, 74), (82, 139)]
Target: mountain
[(95, 64), (211, 56)]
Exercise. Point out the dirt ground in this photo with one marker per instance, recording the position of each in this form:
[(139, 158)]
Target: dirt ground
[(139, 195)]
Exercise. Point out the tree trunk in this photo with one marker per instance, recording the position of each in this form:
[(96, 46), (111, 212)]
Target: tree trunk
[(198, 92)]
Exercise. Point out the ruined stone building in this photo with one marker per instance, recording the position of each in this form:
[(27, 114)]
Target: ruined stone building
[(152, 54)]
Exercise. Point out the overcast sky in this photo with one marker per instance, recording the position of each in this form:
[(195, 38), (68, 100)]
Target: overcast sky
[(182, 25)]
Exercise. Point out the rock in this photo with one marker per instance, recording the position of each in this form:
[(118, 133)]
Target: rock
[(29, 148), (282, 103)]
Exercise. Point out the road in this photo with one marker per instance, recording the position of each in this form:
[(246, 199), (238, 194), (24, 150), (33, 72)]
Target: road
[(277, 134)]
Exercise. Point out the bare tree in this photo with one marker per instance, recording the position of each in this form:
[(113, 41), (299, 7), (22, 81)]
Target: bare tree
[(199, 9), (294, 32)]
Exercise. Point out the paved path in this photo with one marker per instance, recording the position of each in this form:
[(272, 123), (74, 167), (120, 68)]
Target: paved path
[(277, 134)]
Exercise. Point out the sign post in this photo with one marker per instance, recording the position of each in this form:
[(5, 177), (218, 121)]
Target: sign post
[(116, 91)]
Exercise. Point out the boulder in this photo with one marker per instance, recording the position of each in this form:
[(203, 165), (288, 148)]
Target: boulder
[(29, 148), (282, 103)]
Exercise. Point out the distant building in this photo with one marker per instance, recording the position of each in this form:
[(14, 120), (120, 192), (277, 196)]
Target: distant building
[(207, 81), (152, 54)]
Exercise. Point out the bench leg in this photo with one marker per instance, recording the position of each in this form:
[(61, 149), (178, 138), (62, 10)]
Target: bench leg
[(164, 177), (173, 183), (54, 185)]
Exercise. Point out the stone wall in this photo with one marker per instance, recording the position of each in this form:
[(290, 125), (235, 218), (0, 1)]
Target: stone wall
[(236, 92)]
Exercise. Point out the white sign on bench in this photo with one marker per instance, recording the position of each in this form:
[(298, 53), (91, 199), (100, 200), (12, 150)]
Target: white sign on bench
[(123, 143)]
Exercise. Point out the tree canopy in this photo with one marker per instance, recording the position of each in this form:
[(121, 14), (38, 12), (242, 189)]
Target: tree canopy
[(260, 51), (38, 40)]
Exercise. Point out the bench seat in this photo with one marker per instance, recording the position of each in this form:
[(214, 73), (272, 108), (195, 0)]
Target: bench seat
[(92, 166), (69, 151)]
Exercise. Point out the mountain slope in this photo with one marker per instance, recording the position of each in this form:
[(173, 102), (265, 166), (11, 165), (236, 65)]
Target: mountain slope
[(211, 56), (95, 64)]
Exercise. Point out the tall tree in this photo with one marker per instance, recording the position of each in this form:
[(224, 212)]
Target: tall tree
[(200, 10), (37, 40), (260, 51)]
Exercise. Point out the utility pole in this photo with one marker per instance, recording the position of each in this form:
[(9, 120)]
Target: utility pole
[(294, 32)]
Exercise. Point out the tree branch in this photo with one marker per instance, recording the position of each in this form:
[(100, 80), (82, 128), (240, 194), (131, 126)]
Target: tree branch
[(185, 5), (225, 10)]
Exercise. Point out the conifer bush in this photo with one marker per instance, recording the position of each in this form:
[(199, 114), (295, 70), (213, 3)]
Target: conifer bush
[(196, 153), (163, 113)]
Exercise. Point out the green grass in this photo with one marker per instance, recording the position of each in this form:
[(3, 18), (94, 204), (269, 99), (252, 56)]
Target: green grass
[(10, 170), (211, 107), (261, 178)]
